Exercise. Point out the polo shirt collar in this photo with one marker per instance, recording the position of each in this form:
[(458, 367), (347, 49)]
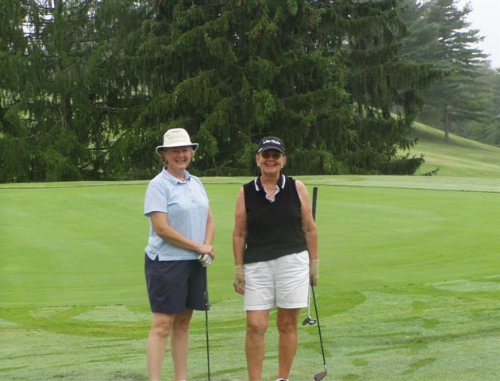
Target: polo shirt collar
[(258, 183), (175, 180)]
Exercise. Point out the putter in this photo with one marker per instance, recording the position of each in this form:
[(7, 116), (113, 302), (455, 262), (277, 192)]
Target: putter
[(309, 320), (206, 322), (318, 376)]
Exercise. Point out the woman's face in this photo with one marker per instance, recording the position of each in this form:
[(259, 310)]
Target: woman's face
[(270, 161), (178, 158)]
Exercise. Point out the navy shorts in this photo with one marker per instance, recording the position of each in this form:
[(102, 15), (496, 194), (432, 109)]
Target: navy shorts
[(174, 286)]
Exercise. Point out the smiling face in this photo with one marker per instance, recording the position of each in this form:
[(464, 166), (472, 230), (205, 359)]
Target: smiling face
[(270, 161), (177, 159)]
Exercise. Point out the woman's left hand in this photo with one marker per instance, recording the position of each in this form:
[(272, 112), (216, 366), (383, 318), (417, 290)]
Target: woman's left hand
[(205, 259), (313, 271)]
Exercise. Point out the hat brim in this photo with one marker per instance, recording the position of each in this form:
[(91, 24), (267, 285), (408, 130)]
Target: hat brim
[(194, 146), (268, 148)]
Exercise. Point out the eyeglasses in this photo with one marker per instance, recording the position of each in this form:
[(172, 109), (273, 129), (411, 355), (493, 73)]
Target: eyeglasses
[(274, 155)]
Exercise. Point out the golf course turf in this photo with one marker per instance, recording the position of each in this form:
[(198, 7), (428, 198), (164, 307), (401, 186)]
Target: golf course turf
[(409, 284)]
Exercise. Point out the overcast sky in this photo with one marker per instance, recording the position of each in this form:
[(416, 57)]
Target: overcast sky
[(485, 16)]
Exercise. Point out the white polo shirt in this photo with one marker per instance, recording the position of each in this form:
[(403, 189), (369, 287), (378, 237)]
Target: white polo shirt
[(186, 204)]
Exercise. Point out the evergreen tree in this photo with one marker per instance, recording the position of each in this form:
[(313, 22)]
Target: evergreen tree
[(232, 72), (235, 71), (459, 96), (96, 84), (72, 88), (14, 72), (380, 82), (485, 130)]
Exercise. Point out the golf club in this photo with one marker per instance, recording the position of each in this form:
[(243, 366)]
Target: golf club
[(206, 321), (309, 320), (318, 376)]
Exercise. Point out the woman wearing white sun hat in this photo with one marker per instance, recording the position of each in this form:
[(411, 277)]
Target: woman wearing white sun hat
[(179, 247)]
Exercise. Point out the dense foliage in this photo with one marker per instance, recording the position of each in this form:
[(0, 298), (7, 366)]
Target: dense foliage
[(87, 88), (466, 100)]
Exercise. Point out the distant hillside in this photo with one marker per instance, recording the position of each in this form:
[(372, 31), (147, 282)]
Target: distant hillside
[(459, 157)]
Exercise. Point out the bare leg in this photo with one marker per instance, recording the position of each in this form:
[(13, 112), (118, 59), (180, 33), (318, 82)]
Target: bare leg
[(161, 325), (179, 343), (257, 323), (287, 328)]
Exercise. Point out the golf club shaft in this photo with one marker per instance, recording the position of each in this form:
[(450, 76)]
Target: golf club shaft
[(319, 328), (206, 322), (314, 203), (315, 198), (309, 301)]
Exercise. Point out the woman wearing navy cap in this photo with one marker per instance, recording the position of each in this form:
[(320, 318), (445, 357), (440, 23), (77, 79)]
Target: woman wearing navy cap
[(179, 247), (276, 255)]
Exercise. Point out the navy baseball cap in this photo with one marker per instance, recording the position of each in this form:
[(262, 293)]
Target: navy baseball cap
[(271, 142)]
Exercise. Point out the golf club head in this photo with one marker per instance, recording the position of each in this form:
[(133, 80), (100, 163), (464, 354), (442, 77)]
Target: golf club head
[(319, 376), (309, 321)]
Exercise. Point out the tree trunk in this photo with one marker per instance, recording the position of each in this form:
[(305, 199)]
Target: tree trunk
[(446, 125)]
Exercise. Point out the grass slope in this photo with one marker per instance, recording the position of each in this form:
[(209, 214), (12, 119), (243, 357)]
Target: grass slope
[(458, 157)]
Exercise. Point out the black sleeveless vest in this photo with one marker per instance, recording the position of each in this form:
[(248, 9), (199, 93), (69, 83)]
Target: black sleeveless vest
[(274, 228)]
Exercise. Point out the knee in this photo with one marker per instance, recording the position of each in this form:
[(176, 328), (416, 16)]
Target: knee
[(161, 329), (287, 325), (287, 328), (257, 328), (181, 323)]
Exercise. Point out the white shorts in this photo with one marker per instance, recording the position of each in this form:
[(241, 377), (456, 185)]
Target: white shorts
[(281, 282)]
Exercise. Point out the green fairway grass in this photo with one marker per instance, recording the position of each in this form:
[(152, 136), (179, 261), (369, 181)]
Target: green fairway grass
[(409, 285)]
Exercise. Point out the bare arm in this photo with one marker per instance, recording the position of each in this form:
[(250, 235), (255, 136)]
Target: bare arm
[(308, 225), (210, 232), (239, 240), (240, 229), (309, 228), (159, 220)]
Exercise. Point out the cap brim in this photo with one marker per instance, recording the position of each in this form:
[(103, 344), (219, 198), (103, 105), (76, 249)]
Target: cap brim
[(194, 146), (268, 148)]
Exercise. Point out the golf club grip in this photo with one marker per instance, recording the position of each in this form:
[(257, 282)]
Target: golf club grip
[(315, 198)]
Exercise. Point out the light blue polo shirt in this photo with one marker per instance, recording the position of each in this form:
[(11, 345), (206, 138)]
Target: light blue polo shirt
[(186, 204)]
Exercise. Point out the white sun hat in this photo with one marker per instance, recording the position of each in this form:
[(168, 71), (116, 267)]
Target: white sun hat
[(176, 137)]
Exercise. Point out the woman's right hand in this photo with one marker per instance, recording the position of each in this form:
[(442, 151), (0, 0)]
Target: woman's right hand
[(239, 279)]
